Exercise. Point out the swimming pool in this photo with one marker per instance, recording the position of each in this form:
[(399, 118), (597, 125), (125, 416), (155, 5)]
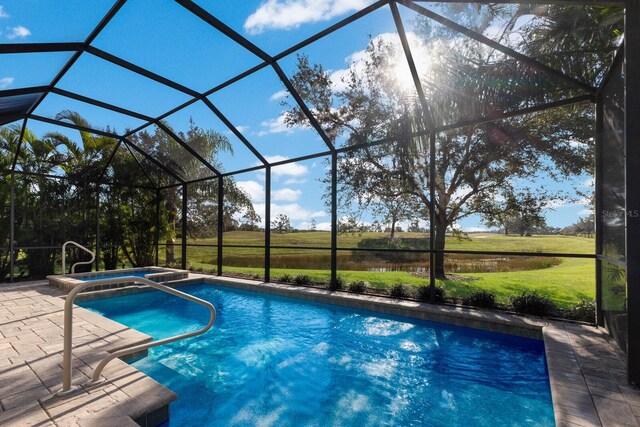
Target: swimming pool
[(279, 361)]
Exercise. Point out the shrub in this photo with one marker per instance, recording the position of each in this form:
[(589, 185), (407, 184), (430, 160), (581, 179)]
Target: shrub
[(584, 311), (481, 299), (286, 279), (302, 280), (532, 303), (358, 287), (424, 293), (337, 285), (401, 291)]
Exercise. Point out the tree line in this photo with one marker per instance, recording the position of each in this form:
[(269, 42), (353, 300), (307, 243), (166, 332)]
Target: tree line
[(65, 191)]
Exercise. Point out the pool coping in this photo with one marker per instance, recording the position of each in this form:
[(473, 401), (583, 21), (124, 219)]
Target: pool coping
[(587, 370)]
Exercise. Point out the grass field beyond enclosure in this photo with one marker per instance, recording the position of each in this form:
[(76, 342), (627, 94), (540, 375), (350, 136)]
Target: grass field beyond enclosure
[(565, 280)]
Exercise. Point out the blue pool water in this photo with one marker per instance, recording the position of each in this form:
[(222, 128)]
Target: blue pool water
[(273, 361), (114, 275)]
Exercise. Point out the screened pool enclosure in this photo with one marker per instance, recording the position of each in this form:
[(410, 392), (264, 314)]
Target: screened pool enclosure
[(449, 146)]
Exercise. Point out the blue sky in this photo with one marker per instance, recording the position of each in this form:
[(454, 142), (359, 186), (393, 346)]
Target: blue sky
[(170, 41)]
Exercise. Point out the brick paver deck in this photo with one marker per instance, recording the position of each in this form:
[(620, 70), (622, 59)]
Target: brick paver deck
[(31, 318)]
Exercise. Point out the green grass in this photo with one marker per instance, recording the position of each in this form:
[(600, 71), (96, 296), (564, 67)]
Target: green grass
[(566, 283)]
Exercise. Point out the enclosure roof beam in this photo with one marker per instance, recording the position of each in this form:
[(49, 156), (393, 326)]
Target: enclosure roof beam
[(266, 60), (196, 99), (23, 91), (141, 71), (113, 154), (62, 177), (101, 104), (303, 106), (92, 36), (236, 37), (607, 76), (338, 25), (162, 80), (497, 46), (234, 130), (19, 146), (426, 111), (153, 160), (186, 146), (73, 126), (264, 64), (39, 47), (508, 114), (224, 29), (144, 170), (223, 175), (477, 121)]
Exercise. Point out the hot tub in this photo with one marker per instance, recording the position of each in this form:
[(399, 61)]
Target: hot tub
[(156, 274)]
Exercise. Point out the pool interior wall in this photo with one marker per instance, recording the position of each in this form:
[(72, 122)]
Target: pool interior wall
[(278, 360)]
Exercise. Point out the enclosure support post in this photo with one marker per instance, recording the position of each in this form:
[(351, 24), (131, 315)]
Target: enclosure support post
[(184, 226), (156, 237), (267, 224), (432, 216), (334, 217), (632, 158), (12, 227), (598, 212), (220, 222), (97, 262)]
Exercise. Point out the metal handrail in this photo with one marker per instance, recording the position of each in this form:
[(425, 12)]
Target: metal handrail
[(68, 327), (64, 256)]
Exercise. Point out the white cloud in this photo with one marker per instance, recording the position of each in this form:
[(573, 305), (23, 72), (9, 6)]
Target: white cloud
[(294, 211), (320, 226), (276, 125), (3, 14), (279, 95), (6, 82), (18, 32), (323, 226), (288, 14), (254, 189), (286, 195), (474, 229), (588, 183), (290, 169), (561, 203), (293, 181), (242, 129)]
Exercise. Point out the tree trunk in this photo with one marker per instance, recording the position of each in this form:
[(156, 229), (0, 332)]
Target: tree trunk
[(393, 226), (439, 244)]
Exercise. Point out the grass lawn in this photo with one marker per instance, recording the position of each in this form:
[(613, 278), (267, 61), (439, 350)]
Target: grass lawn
[(566, 283)]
